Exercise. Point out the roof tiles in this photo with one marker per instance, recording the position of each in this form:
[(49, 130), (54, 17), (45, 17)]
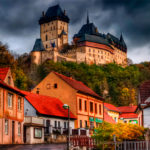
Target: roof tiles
[(47, 105), (144, 91), (111, 107), (3, 73), (78, 85), (127, 109)]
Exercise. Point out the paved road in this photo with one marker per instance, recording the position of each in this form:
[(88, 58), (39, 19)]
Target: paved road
[(34, 147)]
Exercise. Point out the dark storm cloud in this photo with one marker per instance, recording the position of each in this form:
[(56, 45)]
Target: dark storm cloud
[(19, 18)]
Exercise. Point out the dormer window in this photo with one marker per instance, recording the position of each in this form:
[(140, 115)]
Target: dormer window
[(9, 80)]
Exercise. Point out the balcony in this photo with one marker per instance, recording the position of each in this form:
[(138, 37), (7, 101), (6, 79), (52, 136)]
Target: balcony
[(33, 121)]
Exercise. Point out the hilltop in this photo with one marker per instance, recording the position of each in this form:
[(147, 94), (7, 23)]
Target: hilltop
[(116, 84)]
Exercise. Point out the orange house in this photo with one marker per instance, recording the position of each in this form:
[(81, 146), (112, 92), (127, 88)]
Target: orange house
[(11, 110), (84, 103)]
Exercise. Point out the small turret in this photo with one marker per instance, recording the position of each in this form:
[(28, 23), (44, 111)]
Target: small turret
[(87, 18)]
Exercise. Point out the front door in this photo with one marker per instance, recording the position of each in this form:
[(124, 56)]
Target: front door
[(13, 132), (24, 134)]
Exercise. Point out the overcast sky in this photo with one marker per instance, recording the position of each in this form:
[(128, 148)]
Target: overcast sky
[(19, 22)]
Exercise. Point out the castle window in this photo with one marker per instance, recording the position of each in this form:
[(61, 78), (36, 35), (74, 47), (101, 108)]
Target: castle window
[(89, 50), (46, 37), (46, 46)]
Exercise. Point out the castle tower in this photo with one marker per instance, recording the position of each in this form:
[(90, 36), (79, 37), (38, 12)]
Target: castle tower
[(54, 28)]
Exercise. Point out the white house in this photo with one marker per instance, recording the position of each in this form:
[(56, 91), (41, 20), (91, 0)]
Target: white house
[(45, 118), (144, 105)]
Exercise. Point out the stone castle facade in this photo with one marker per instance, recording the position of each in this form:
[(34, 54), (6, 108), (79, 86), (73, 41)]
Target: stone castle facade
[(89, 45)]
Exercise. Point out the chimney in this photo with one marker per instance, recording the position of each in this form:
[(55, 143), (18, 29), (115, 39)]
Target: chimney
[(64, 12), (43, 13)]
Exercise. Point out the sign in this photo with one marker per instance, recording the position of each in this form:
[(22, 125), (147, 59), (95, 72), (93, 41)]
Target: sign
[(98, 120), (91, 119), (133, 121)]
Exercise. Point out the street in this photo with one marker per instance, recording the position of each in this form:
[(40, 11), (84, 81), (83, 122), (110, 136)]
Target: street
[(34, 147)]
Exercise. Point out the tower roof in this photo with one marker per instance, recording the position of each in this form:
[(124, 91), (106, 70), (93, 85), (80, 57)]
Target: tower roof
[(54, 13), (122, 41), (88, 28), (38, 46)]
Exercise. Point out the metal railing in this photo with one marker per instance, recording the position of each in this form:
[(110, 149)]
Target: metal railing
[(84, 141)]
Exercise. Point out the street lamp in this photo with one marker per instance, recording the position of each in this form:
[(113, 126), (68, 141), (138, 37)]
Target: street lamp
[(65, 106)]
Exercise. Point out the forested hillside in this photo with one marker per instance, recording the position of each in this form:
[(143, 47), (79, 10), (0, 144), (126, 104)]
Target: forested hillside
[(116, 84)]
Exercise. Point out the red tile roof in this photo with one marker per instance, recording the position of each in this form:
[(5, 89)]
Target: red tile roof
[(127, 109), (47, 105), (3, 73), (144, 91), (128, 115), (78, 85), (13, 89), (111, 107), (108, 118)]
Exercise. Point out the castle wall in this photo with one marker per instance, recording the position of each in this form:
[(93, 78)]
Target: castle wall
[(36, 57)]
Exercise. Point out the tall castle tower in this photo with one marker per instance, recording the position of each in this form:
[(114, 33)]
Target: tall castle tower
[(54, 28)]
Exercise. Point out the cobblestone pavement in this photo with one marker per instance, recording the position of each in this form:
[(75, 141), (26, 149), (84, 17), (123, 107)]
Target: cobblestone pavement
[(34, 147)]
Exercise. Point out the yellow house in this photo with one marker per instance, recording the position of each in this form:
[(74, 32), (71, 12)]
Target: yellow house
[(128, 114), (84, 103), (112, 111)]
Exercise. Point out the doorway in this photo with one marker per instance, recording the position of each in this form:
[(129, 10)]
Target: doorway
[(13, 132)]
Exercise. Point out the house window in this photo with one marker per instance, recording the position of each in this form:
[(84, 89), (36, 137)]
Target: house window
[(55, 86), (100, 109), (38, 133), (65, 125), (58, 124), (85, 105), (86, 123), (55, 124), (6, 126), (115, 118), (19, 103), (9, 80), (80, 123), (96, 108), (38, 91), (80, 104), (19, 128), (91, 107), (91, 124), (10, 97)]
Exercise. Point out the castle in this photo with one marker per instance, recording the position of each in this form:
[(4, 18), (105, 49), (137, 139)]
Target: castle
[(89, 45)]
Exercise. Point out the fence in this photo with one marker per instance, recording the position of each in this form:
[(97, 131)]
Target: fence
[(84, 141)]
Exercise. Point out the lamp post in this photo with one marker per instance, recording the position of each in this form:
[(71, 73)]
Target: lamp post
[(65, 106)]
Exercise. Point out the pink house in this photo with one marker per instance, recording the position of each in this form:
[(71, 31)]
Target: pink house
[(11, 110)]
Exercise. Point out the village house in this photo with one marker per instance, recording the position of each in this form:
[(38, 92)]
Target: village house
[(143, 110), (11, 110), (112, 111), (128, 114), (84, 103), (45, 119), (123, 114)]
